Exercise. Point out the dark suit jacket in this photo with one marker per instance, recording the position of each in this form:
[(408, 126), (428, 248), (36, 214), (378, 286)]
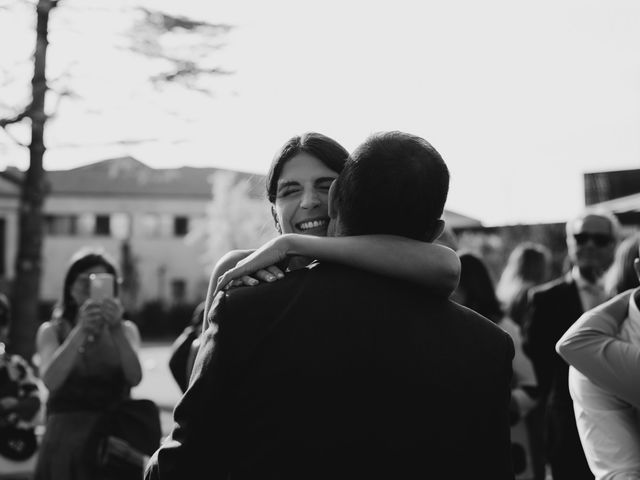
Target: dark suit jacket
[(554, 307), (336, 373)]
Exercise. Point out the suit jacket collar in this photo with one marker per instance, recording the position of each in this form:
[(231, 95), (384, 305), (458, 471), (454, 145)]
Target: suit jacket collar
[(573, 295)]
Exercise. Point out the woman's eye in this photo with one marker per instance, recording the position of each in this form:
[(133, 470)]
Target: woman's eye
[(285, 192)]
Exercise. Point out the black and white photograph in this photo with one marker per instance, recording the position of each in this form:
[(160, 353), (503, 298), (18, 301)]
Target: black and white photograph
[(319, 240)]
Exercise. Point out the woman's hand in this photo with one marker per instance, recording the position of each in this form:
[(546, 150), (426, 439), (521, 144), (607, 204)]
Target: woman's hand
[(90, 318), (112, 312), (261, 265)]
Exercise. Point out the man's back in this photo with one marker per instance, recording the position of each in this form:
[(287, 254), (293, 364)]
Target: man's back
[(333, 372)]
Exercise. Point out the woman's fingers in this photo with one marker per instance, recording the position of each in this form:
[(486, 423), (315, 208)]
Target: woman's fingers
[(246, 281), (265, 275), (112, 311), (275, 271)]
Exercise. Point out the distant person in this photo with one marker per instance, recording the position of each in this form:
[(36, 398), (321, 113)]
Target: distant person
[(528, 265), (554, 307), (88, 356), (335, 372), (476, 291), (19, 399), (603, 349)]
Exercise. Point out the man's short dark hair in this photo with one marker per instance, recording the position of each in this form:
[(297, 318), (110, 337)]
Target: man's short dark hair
[(394, 183)]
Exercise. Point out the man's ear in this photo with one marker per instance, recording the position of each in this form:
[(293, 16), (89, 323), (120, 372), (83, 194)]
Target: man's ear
[(437, 231), (333, 201), (636, 266)]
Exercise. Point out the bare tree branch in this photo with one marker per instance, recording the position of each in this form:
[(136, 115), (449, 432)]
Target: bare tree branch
[(60, 95), (187, 61), (124, 142), (167, 23), (187, 70), (26, 113), (14, 139)]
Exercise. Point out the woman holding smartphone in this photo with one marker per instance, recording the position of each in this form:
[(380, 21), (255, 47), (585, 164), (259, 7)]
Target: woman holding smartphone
[(88, 360)]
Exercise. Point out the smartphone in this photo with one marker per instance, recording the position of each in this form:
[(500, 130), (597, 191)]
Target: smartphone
[(101, 286)]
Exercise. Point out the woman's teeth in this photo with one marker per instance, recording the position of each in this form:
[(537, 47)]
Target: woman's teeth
[(312, 224)]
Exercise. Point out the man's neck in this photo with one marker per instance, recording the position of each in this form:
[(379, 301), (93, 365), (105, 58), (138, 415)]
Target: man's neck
[(589, 274)]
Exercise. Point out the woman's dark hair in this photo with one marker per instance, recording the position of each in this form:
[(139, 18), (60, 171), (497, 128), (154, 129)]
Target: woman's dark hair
[(327, 150), (477, 285), (81, 261), (621, 275)]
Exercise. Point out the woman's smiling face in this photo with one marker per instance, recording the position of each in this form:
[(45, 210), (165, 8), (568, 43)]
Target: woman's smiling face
[(302, 195)]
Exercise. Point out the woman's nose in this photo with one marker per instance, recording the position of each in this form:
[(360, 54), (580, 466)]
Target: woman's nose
[(310, 199)]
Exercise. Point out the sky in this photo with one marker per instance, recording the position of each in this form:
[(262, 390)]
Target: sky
[(520, 98)]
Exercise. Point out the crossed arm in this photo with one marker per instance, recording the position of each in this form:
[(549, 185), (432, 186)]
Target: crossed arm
[(432, 265), (592, 347)]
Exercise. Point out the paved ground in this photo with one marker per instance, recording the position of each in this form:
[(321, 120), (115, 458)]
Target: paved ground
[(157, 382)]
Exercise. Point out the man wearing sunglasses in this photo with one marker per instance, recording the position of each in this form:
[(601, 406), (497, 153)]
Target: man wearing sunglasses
[(554, 307)]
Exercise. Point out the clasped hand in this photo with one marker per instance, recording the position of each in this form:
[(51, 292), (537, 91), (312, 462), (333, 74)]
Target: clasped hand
[(95, 315), (259, 266)]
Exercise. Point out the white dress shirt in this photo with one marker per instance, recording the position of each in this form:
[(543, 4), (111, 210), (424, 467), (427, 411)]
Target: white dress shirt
[(591, 294), (604, 386)]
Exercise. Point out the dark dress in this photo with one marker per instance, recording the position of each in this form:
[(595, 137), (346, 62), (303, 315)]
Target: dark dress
[(96, 383)]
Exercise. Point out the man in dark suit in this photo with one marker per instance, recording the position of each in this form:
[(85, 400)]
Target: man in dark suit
[(334, 372), (554, 307)]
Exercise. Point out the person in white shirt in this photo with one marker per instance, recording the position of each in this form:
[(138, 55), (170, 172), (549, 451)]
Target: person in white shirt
[(603, 350)]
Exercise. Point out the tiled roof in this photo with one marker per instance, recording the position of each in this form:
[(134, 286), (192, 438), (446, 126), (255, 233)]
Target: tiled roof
[(130, 177)]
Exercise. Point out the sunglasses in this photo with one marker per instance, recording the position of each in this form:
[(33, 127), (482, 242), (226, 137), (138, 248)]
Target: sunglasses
[(599, 239)]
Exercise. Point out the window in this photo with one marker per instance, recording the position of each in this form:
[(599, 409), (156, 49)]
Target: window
[(180, 226), (60, 225), (121, 225), (103, 225), (86, 224), (150, 225), (178, 290)]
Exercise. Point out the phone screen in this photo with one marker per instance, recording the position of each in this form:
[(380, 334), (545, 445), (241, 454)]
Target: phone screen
[(101, 286)]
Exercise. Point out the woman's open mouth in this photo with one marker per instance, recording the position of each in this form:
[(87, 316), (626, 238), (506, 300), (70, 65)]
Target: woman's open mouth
[(313, 225)]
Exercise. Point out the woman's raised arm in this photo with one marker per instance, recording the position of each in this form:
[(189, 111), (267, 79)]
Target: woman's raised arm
[(432, 265)]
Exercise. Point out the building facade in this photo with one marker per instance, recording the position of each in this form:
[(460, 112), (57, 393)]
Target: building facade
[(120, 205)]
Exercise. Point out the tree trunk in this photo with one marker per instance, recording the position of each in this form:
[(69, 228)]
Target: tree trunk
[(28, 266)]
